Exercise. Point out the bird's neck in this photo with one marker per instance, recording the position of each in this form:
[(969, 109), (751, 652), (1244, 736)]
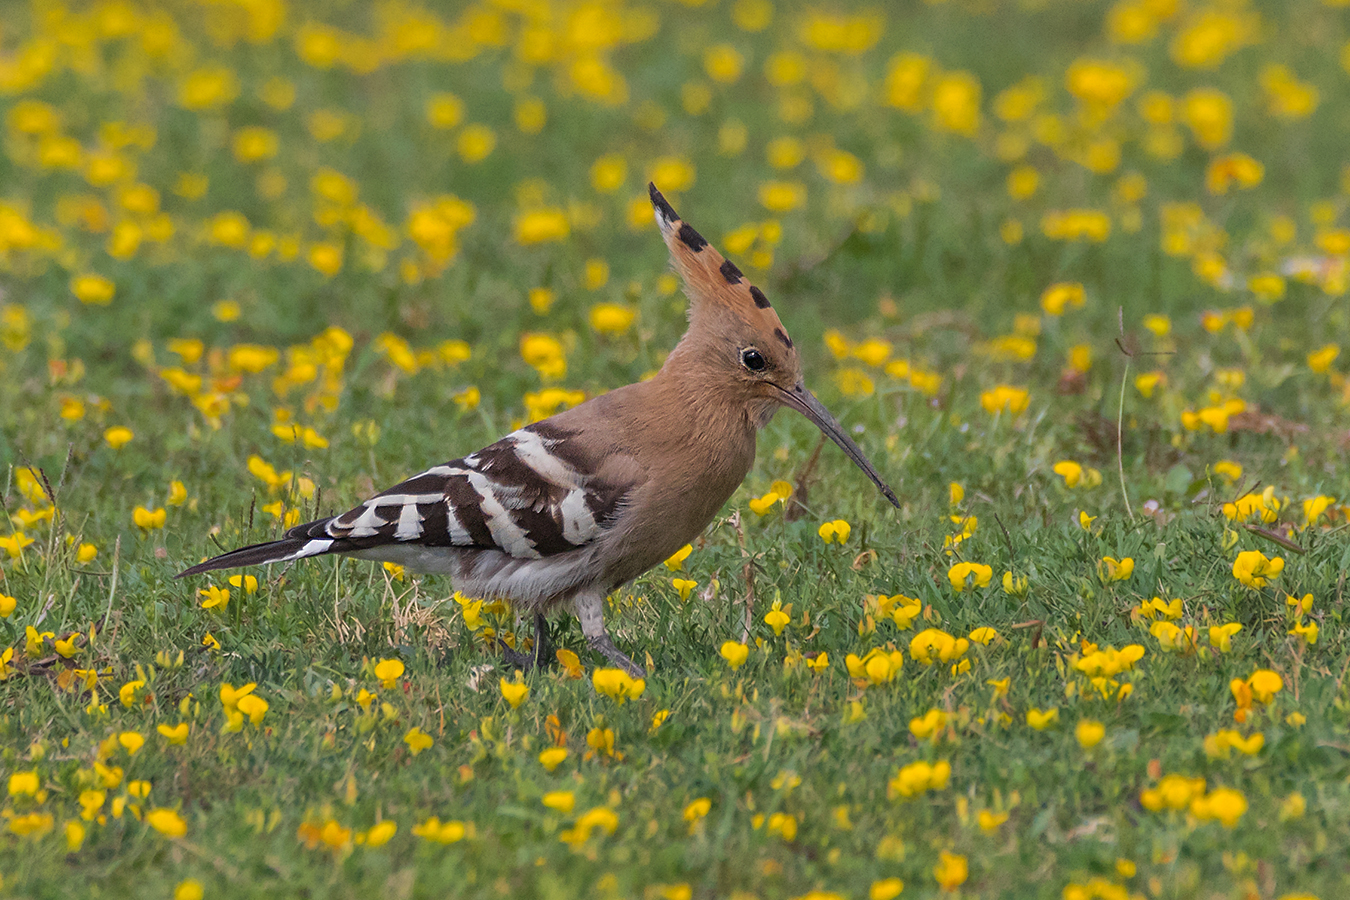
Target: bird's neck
[(714, 402)]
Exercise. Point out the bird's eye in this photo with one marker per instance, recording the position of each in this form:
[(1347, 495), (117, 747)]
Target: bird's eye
[(753, 360)]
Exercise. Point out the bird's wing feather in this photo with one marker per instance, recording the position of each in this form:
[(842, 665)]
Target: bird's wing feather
[(534, 493)]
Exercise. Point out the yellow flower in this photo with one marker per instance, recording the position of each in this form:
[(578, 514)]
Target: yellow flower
[(34, 825), (441, 833), (1174, 639), (389, 671), (1042, 719), (475, 143), (671, 174), (617, 684), (253, 143), (216, 598), (600, 818), (1015, 585), (562, 801), (167, 822), (838, 530), (676, 562), (776, 618), (919, 777), (1057, 297), (247, 583), (877, 667), (984, 635), (381, 833), (854, 382), (928, 725), (1005, 397), (1022, 183), (597, 276), (1224, 804), (148, 519), (782, 196), (723, 63), (608, 173), (989, 821), (515, 692), (93, 290), (1209, 114), (1286, 97), (207, 88), (931, 645), (1221, 636), (118, 436), (1265, 684), (735, 653), (175, 734), (1306, 630), (254, 707), (965, 576), (541, 226), (23, 784), (683, 586), (444, 110), (611, 318), (1320, 360), (551, 758), (956, 103), (230, 695), (1112, 569), (1147, 382), (1076, 225), (761, 506), (1240, 170), (417, 740), (1089, 733), (951, 871), (34, 640), (1255, 570), (1293, 807)]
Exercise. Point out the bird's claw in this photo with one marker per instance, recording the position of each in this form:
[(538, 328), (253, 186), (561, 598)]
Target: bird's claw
[(604, 646)]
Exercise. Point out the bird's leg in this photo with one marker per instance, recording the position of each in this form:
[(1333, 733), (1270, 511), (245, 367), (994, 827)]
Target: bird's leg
[(543, 649), (589, 606)]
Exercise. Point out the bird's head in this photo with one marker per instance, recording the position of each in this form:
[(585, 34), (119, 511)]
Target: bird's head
[(736, 339)]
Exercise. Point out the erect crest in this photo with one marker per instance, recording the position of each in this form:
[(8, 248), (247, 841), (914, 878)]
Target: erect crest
[(709, 277)]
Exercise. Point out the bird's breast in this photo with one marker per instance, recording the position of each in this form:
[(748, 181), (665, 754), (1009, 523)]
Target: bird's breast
[(679, 499)]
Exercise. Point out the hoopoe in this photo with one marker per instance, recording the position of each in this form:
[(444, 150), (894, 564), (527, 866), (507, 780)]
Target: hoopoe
[(563, 512)]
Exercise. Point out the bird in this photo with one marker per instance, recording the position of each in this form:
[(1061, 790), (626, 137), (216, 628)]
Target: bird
[(563, 512)]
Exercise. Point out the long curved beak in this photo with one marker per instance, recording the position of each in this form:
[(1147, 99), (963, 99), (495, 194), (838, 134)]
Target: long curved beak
[(804, 402)]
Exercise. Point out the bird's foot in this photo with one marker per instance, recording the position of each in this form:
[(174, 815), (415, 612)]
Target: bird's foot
[(604, 646), (516, 659), (541, 655)]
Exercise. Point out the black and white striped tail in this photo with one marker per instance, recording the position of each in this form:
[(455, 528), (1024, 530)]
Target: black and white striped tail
[(298, 544)]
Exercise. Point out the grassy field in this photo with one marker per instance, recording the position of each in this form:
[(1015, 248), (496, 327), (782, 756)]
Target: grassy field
[(1073, 273)]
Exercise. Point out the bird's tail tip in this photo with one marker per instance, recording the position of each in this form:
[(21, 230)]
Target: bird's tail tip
[(255, 555)]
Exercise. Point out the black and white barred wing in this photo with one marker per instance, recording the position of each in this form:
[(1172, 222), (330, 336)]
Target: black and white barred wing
[(526, 496), (532, 494)]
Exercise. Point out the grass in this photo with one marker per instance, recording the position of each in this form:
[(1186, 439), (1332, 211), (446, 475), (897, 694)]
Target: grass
[(899, 224)]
